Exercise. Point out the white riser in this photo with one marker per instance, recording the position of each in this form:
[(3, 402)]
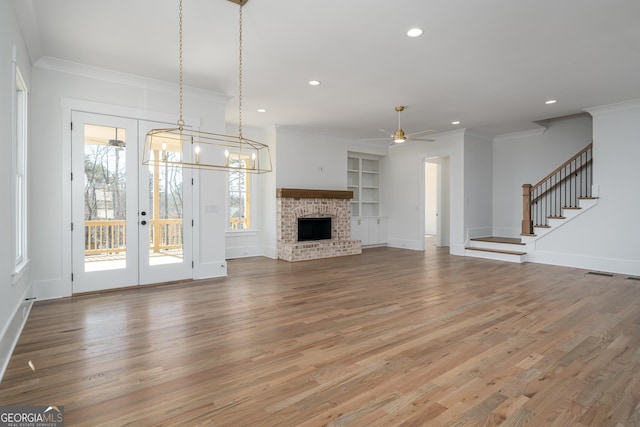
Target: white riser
[(497, 245), (495, 256)]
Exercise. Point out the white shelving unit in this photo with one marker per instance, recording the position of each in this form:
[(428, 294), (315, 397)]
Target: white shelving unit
[(363, 178), (353, 183)]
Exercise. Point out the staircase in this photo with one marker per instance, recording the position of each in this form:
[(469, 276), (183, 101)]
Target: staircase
[(498, 248), (516, 249), (555, 200)]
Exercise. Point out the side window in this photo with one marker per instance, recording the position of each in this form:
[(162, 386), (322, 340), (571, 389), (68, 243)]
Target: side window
[(19, 171), (239, 193)]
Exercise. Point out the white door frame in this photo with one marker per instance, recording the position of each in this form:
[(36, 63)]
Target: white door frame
[(71, 104), (443, 234)]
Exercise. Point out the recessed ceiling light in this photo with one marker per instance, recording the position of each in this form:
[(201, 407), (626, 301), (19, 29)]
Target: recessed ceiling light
[(414, 32), (456, 122), (314, 82), (262, 110), (551, 101)]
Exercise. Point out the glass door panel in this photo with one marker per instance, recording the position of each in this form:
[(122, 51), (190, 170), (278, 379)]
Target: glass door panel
[(165, 253), (105, 204), (104, 153)]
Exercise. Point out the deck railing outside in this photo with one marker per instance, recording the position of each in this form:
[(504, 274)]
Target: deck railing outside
[(106, 237)]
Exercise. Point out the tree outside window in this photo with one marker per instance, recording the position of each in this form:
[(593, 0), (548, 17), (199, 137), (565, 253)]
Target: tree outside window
[(239, 186)]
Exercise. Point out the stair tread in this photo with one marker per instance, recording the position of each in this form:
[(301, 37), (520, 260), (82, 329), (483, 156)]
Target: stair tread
[(499, 251), (571, 207), (497, 239), (557, 217), (588, 198)]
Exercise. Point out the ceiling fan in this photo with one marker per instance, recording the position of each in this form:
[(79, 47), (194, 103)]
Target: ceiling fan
[(399, 136)]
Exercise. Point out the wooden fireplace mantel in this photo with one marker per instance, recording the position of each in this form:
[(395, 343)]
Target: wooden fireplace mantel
[(298, 193)]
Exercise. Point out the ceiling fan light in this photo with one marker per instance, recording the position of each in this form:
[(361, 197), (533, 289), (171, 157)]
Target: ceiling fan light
[(399, 137)]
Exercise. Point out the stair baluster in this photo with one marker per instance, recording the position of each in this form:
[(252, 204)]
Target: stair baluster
[(560, 189)]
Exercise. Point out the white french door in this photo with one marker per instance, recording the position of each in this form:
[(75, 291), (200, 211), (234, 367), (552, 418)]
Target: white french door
[(165, 202), (131, 223)]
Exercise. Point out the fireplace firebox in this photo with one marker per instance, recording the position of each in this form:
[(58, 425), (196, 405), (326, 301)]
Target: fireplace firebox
[(314, 229)]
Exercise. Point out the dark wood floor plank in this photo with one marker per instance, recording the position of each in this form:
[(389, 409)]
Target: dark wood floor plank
[(389, 337)]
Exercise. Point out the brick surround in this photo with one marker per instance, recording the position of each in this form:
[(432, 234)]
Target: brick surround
[(293, 204)]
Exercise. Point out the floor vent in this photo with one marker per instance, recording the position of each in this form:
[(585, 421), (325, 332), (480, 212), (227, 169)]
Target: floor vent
[(599, 273), (633, 278)]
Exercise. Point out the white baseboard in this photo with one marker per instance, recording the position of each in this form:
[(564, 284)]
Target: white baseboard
[(457, 250), (243, 252), (52, 289), (11, 333), (210, 270), (270, 252), (405, 244), (611, 265)]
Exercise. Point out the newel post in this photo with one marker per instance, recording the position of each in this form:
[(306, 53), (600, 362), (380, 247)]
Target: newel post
[(527, 223)]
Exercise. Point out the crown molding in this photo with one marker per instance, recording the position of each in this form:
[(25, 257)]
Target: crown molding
[(103, 74), (519, 135), (448, 134), (633, 104)]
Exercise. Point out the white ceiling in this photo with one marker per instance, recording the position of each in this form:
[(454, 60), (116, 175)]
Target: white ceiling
[(490, 64)]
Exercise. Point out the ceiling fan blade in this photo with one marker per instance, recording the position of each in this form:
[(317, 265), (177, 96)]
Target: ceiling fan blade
[(419, 139), (419, 133), (374, 139)]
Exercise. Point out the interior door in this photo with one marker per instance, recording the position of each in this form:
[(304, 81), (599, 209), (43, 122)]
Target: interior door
[(131, 223)]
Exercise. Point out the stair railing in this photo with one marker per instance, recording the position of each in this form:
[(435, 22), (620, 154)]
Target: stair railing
[(562, 188)]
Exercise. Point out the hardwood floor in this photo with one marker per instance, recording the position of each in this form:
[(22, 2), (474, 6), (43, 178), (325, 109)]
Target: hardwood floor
[(389, 337)]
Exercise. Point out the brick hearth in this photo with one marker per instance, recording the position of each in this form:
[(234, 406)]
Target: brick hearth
[(296, 203)]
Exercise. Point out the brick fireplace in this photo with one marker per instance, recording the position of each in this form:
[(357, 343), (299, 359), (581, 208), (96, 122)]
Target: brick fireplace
[(297, 203)]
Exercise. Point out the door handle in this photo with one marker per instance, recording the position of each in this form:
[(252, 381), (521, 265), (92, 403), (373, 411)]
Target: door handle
[(143, 222)]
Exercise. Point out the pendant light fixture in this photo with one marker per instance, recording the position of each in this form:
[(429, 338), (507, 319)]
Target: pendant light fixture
[(205, 150)]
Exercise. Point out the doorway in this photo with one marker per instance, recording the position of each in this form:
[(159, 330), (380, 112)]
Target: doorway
[(131, 223), (436, 209)]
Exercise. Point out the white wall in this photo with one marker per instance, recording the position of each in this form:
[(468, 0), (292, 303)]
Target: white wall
[(404, 197), (54, 84), (310, 161), (259, 241), (268, 227), (605, 237), (526, 158), (12, 295), (478, 192)]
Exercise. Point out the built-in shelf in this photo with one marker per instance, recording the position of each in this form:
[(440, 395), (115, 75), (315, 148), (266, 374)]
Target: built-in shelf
[(363, 178)]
